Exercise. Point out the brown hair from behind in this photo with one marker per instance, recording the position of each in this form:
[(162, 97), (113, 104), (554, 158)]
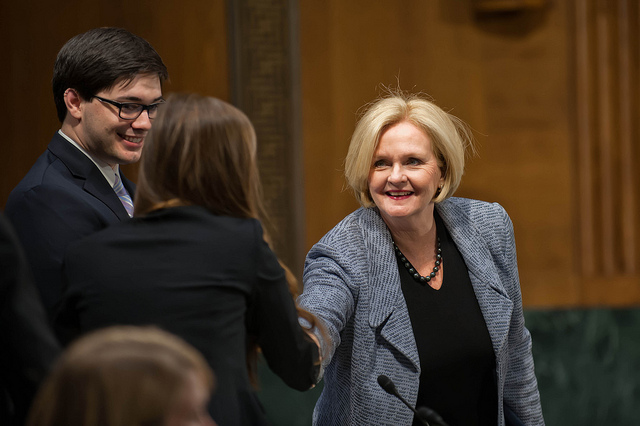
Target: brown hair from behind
[(203, 151), (200, 151), (116, 376)]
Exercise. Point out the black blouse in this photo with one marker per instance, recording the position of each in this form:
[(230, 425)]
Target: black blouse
[(456, 354)]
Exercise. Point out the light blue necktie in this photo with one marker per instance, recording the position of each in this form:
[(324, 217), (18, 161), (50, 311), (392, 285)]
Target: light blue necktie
[(124, 196)]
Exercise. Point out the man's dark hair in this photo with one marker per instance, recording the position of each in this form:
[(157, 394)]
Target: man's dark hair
[(100, 58)]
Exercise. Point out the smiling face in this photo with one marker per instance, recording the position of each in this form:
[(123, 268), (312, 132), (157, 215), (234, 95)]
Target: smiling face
[(100, 130), (404, 176)]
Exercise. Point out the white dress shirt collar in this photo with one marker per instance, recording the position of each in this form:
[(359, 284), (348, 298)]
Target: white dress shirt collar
[(107, 171)]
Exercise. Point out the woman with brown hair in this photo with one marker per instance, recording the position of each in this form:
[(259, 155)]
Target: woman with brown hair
[(195, 261), (131, 376)]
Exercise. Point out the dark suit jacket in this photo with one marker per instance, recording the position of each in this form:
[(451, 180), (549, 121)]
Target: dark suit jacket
[(62, 198), (27, 344), (212, 280)]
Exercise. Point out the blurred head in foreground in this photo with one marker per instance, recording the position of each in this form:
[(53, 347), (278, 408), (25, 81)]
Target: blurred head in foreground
[(126, 376)]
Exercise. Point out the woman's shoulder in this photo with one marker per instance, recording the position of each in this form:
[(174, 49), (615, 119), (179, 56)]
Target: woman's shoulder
[(197, 215), (352, 240), (457, 209), (196, 223), (363, 221)]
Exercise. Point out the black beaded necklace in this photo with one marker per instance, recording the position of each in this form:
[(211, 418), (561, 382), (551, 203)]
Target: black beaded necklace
[(413, 271)]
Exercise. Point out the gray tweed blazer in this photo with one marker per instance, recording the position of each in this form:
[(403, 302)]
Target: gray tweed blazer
[(351, 283)]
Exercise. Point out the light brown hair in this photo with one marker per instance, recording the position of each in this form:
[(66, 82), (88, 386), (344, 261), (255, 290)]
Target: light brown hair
[(118, 376), (200, 151)]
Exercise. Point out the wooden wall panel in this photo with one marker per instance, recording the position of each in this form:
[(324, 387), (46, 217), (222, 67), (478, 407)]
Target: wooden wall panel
[(191, 37), (607, 58), (265, 58), (513, 76)]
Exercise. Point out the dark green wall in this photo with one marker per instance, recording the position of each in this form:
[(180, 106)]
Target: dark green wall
[(588, 365)]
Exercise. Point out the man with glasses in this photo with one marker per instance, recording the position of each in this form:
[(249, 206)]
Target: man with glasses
[(107, 87)]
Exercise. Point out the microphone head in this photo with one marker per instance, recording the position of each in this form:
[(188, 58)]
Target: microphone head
[(426, 413), (386, 384)]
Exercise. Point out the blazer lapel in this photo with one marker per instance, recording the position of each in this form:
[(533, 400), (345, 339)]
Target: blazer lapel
[(494, 303), (81, 167), (98, 186), (388, 309)]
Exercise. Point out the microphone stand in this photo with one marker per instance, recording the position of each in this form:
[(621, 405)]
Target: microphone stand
[(424, 414), (388, 386)]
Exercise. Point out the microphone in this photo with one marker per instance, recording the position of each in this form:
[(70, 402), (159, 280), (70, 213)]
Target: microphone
[(431, 416), (424, 414)]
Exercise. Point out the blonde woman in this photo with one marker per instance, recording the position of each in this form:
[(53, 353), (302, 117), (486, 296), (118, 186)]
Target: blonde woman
[(417, 285)]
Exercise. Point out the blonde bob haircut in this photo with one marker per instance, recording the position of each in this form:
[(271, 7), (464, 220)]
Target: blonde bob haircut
[(450, 138), (124, 375)]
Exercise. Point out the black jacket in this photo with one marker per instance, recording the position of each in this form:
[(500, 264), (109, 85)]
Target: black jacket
[(27, 344), (63, 198), (212, 280)]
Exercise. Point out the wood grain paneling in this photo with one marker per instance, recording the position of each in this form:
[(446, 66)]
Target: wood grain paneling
[(265, 82), (606, 43), (584, 133)]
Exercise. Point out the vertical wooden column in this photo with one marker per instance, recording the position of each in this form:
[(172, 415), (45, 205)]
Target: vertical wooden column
[(607, 82), (265, 85), (628, 102), (604, 189), (586, 240)]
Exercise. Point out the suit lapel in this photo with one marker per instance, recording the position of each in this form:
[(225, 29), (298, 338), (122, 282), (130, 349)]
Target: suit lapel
[(494, 303), (388, 307), (389, 312), (98, 186), (81, 167)]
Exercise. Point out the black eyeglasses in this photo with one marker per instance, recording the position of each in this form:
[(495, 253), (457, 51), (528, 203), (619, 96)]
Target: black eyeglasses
[(130, 110)]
